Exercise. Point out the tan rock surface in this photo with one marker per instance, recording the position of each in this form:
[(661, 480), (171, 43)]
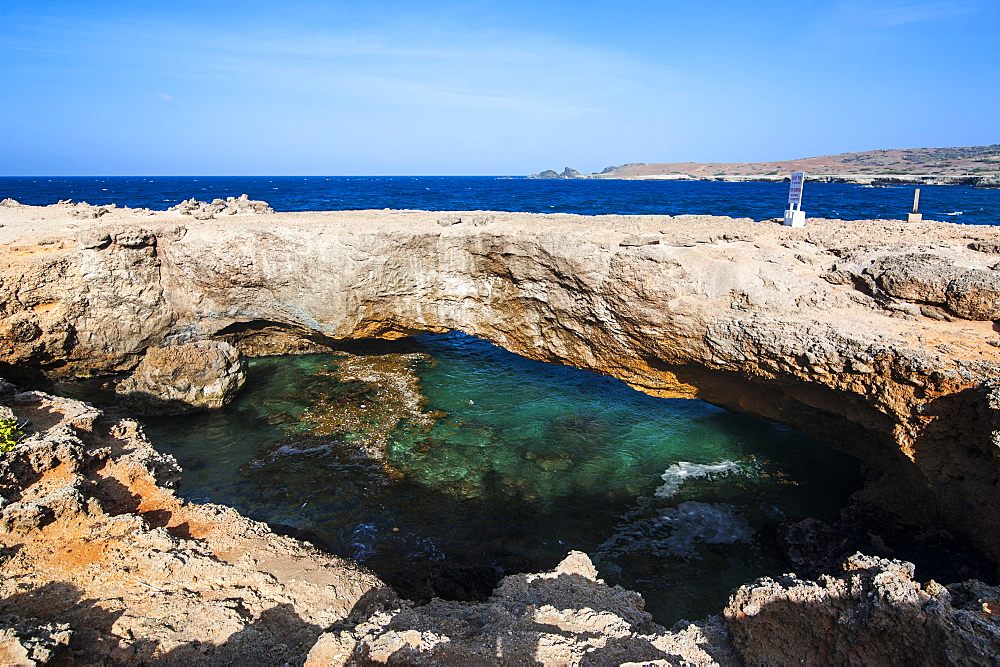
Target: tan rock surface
[(563, 617), (961, 164), (792, 324), (114, 568), (872, 614), (182, 378)]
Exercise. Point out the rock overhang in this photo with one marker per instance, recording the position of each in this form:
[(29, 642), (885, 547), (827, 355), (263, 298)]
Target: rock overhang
[(799, 325)]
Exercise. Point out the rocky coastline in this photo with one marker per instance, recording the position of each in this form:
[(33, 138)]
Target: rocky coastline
[(975, 166), (974, 180), (879, 337)]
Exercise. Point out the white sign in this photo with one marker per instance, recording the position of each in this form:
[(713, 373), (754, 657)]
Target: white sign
[(795, 191)]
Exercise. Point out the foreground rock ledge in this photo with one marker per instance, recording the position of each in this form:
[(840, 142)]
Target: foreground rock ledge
[(857, 332), (102, 563)]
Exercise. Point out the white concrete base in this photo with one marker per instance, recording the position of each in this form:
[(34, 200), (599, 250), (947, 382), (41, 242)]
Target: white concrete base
[(914, 217), (794, 218)]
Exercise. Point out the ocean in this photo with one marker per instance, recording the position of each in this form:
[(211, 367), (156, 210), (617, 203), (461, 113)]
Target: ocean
[(761, 201)]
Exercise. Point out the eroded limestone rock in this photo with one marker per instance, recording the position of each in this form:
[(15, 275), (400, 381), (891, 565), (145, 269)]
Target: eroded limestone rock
[(782, 322), (31, 642), (200, 210), (563, 617), (975, 295), (874, 613), (188, 377), (927, 278), (100, 563)]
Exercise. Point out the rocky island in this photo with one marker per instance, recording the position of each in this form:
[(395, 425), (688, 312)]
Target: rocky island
[(978, 166), (879, 337)]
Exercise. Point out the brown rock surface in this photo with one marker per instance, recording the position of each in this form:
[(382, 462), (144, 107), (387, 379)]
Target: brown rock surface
[(189, 377), (103, 564), (563, 617), (970, 165), (873, 614), (200, 210), (99, 557), (27, 642), (787, 323)]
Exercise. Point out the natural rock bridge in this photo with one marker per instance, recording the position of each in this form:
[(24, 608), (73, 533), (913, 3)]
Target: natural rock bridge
[(875, 336)]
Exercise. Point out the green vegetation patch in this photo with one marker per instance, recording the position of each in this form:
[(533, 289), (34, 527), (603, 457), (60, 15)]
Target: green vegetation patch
[(9, 435)]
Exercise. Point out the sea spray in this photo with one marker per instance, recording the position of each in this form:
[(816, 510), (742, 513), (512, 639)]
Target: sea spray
[(674, 476)]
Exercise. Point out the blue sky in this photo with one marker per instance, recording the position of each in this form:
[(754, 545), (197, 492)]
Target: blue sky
[(242, 87)]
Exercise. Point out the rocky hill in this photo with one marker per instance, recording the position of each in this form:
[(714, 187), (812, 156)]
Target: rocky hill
[(970, 165)]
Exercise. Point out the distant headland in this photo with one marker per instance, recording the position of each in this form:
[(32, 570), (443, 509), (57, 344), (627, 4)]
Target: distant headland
[(978, 166)]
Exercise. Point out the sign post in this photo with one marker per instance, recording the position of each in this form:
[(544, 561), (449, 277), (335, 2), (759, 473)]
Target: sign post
[(915, 216), (794, 215)]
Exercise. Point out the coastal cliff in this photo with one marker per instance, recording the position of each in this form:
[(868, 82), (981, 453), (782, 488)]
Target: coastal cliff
[(876, 336), (978, 166)]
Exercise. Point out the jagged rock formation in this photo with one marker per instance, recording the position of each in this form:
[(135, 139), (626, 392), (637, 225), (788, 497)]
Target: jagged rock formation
[(913, 281), (200, 210), (103, 564), (31, 642), (818, 327), (564, 617), (568, 172), (873, 614)]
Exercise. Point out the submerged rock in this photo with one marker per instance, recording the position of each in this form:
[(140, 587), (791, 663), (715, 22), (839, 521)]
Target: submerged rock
[(178, 379), (100, 563), (366, 398), (781, 322)]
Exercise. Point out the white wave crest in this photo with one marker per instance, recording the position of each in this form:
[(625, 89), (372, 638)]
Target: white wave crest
[(680, 472)]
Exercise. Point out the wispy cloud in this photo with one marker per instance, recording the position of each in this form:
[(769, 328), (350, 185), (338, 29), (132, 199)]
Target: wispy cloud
[(850, 24), (437, 66), (165, 99), (871, 15), (414, 63)]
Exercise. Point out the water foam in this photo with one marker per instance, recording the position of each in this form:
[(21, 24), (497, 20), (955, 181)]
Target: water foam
[(678, 531), (675, 476), (363, 540)]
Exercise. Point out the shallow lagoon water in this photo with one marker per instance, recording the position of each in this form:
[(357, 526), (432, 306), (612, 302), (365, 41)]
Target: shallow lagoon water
[(523, 462)]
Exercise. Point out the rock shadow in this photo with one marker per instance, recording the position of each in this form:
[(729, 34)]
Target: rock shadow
[(873, 613), (279, 636), (955, 449), (561, 617), (62, 602)]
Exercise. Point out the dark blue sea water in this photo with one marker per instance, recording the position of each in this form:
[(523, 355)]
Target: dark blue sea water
[(589, 197)]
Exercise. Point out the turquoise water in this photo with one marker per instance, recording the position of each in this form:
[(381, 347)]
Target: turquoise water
[(506, 466)]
